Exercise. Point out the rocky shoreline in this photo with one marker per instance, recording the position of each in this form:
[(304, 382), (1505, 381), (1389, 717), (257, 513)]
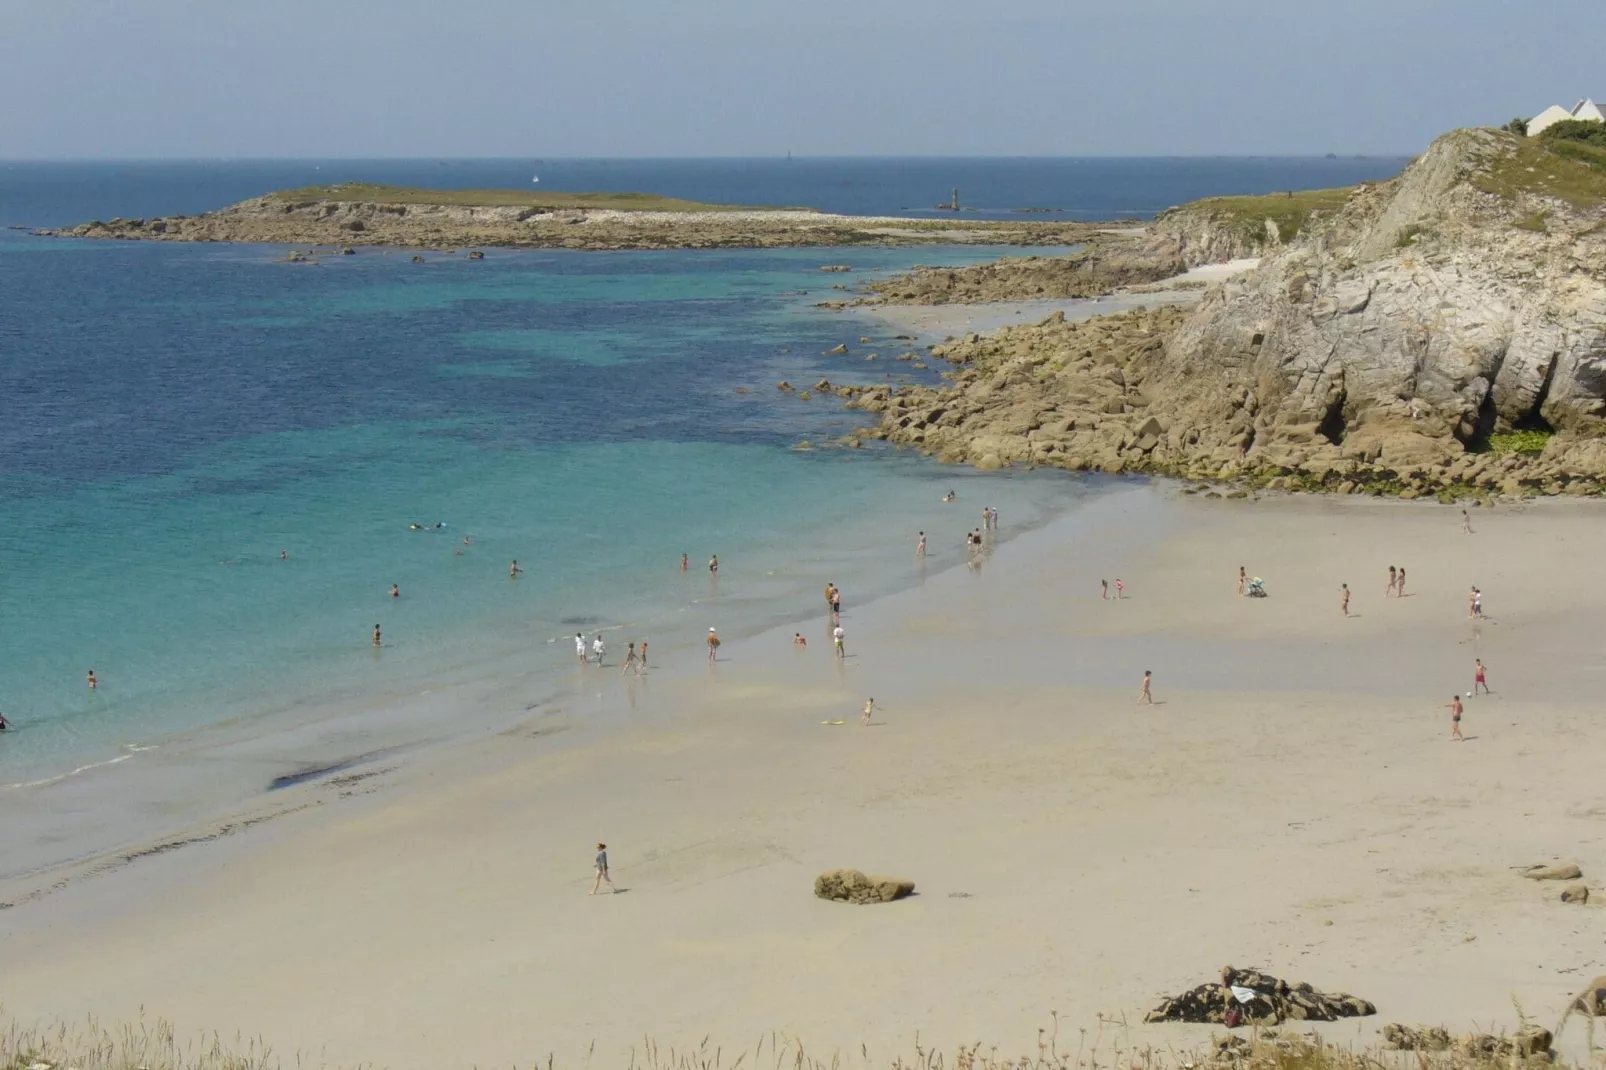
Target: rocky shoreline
[(322, 221), (1442, 334)]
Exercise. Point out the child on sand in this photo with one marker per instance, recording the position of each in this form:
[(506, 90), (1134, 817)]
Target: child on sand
[(1120, 589), (1454, 706), (1478, 678), (1343, 598), (1243, 579), (869, 708), (1104, 589), (1145, 696), (630, 660), (798, 640), (1392, 580), (602, 870), (1399, 588)]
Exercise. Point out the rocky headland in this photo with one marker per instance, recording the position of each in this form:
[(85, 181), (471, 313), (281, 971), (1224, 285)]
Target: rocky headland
[(1440, 333), (355, 215)]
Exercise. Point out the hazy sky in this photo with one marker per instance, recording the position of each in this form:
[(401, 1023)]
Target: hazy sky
[(227, 78)]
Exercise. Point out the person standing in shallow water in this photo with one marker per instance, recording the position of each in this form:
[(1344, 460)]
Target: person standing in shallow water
[(684, 563), (513, 570), (713, 565), (93, 683), (376, 636)]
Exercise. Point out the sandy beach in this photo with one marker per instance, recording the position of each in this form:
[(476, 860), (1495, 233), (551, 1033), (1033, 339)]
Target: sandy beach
[(936, 322), (1291, 802)]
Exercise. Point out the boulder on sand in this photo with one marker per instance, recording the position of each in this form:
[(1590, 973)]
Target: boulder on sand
[(1575, 893), (1568, 872), (851, 886), (1592, 1001)]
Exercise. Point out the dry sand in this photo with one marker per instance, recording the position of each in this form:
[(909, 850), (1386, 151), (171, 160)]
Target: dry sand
[(935, 322), (1291, 802)]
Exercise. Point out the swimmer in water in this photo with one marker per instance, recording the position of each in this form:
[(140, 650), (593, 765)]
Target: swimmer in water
[(284, 555), (798, 640), (713, 565), (950, 496), (4, 724), (377, 641), (93, 683), (395, 591), (684, 563), (513, 570)]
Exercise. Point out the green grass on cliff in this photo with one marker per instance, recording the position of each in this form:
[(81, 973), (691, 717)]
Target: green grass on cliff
[(1290, 211), (1571, 171), (369, 193)]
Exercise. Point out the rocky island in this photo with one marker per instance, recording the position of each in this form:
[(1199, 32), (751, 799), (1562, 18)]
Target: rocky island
[(1440, 333), (355, 214)]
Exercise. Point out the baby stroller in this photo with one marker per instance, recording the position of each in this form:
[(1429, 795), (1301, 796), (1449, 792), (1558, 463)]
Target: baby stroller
[(1257, 589)]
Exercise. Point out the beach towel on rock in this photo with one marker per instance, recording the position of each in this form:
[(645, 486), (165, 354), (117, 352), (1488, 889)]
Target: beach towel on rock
[(1272, 1002)]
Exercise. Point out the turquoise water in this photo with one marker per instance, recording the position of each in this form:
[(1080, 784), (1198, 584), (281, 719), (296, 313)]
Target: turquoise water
[(176, 416)]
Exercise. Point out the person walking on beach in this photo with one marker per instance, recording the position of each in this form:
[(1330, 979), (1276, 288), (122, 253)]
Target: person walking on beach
[(920, 547), (837, 635), (513, 570), (580, 647), (1145, 696), (1399, 588), (630, 661), (598, 648), (1466, 522), (1104, 589), (1479, 678), (1477, 603), (376, 642), (1392, 580), (869, 708), (93, 683), (1472, 602), (643, 662), (1454, 706), (1120, 589), (1343, 598), (395, 591), (713, 646), (602, 871), (1243, 579)]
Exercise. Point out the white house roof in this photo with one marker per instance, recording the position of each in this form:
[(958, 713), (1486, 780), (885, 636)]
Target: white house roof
[(1547, 118), (1587, 110)]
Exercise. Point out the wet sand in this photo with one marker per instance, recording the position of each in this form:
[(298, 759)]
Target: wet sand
[(1290, 802)]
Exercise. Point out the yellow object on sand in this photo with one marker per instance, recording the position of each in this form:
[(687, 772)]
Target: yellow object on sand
[(833, 722)]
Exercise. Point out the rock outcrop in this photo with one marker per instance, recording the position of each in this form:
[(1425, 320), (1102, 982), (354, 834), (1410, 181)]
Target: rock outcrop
[(1205, 232), (851, 886), (411, 221), (1390, 347)]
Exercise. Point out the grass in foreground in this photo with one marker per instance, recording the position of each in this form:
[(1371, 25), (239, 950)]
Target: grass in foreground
[(367, 192), (155, 1047), (1289, 211)]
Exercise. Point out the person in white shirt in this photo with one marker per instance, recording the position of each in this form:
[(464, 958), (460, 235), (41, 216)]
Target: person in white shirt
[(580, 647), (597, 648), (836, 637)]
